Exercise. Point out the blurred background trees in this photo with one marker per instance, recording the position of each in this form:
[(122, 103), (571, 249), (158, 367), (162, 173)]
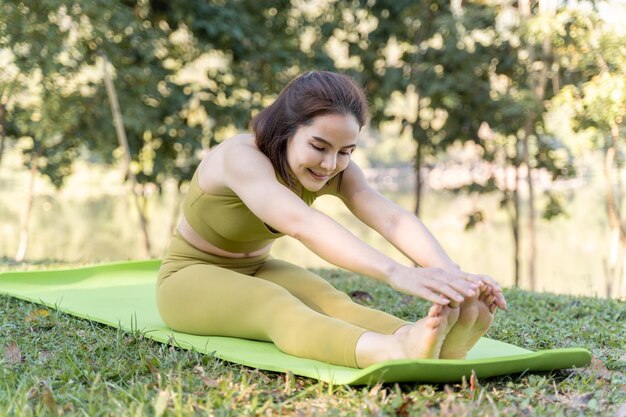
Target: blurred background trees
[(486, 77)]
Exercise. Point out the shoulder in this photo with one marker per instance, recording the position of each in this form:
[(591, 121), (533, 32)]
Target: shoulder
[(352, 181), (235, 159), (232, 152), (242, 153), (243, 161)]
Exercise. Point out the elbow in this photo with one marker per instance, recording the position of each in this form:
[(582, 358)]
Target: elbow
[(300, 225), (392, 225)]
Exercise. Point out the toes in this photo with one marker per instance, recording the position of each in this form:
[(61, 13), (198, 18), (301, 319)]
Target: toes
[(434, 322), (435, 310)]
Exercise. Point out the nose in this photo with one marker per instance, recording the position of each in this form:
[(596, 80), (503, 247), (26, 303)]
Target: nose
[(329, 163)]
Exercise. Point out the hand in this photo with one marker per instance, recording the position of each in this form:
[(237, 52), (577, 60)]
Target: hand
[(437, 285), (493, 285), (444, 286)]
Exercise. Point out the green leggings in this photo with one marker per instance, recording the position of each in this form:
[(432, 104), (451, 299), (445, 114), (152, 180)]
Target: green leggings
[(266, 299)]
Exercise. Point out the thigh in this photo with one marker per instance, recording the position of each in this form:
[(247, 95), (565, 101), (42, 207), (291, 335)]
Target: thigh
[(209, 300), (320, 295)]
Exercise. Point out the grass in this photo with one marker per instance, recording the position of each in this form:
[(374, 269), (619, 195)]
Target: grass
[(55, 364)]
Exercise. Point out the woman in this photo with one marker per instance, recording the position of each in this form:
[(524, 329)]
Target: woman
[(218, 278)]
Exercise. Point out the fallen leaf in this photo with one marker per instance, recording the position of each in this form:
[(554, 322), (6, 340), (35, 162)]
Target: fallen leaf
[(32, 393), (599, 370), (403, 410), (210, 382), (36, 314), (361, 296), (13, 355), (151, 367), (48, 399)]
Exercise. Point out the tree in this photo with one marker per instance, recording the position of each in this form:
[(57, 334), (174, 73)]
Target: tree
[(469, 80), (42, 121), (168, 119), (594, 55)]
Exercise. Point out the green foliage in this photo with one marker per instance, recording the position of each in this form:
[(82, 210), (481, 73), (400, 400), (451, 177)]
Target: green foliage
[(554, 207), (168, 119), (448, 55), (593, 56)]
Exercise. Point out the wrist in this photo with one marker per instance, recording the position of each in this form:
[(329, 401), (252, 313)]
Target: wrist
[(450, 266), (391, 271)]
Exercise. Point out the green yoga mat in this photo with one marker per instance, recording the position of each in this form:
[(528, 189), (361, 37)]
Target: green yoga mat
[(123, 295)]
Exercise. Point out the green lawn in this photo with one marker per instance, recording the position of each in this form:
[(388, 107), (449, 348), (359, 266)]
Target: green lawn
[(55, 364)]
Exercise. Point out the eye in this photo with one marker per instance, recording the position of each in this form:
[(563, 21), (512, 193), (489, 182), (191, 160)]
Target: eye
[(346, 153), (317, 148)]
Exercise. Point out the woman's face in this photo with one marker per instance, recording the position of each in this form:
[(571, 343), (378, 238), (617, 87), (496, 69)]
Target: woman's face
[(322, 149)]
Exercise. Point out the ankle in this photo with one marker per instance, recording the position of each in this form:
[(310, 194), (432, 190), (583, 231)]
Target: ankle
[(403, 329), (374, 347)]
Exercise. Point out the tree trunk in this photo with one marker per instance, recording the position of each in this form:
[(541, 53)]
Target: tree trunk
[(537, 81), (618, 230), (532, 239), (123, 141), (25, 219), (621, 287), (611, 264), (418, 179), (3, 118), (515, 221), (178, 200)]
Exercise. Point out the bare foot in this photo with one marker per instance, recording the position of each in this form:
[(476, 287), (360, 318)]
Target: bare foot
[(420, 340), (424, 338), (475, 318)]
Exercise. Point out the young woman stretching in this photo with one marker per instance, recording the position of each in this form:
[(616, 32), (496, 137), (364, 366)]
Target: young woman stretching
[(218, 278)]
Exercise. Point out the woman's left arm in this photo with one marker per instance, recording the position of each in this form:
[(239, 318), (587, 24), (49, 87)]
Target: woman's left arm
[(399, 226)]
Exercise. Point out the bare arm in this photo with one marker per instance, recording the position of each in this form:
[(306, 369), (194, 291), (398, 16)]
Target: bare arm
[(251, 176), (403, 230)]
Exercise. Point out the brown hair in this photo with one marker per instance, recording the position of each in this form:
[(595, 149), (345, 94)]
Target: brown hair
[(313, 94)]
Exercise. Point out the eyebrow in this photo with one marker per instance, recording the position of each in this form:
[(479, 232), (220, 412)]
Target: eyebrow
[(330, 144)]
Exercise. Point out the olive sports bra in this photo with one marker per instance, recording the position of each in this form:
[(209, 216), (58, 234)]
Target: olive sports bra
[(226, 222)]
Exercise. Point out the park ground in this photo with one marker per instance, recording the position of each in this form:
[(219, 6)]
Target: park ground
[(55, 364)]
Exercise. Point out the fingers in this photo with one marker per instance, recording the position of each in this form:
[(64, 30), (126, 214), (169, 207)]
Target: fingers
[(488, 281), (450, 287), (482, 281), (496, 290), (435, 298), (435, 310), (449, 292), (451, 284), (468, 289), (491, 282)]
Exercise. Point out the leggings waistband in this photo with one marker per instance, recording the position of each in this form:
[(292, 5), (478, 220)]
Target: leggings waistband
[(181, 254)]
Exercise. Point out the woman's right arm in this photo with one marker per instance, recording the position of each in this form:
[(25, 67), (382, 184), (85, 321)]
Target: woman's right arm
[(251, 176)]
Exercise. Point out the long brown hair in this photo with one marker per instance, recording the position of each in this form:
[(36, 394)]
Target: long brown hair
[(315, 93)]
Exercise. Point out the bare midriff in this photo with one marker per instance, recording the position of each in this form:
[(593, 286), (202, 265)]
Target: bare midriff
[(199, 243)]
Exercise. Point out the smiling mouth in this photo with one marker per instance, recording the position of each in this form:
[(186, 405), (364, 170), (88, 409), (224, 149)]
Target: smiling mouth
[(317, 176)]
